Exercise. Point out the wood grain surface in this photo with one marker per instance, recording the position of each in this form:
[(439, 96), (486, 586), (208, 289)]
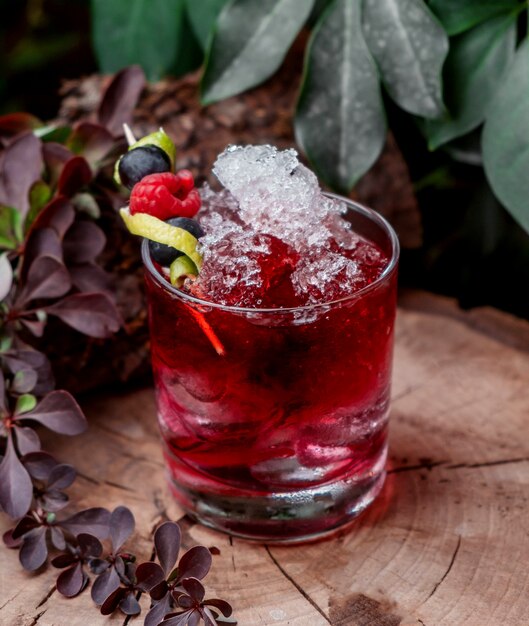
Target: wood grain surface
[(446, 544)]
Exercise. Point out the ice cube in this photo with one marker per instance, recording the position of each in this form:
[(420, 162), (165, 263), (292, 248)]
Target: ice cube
[(317, 455), (325, 277), (243, 268), (285, 471)]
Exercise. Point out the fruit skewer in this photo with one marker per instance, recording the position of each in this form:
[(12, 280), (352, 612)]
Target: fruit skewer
[(161, 207)]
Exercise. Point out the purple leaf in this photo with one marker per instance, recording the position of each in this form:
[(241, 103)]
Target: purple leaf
[(57, 538), (3, 404), (41, 242), (83, 242), (159, 590), (158, 611), (148, 575), (120, 98), (193, 619), (121, 526), (59, 412), (93, 314), (221, 605), (53, 500), (61, 476), (27, 523), (208, 617), (39, 464), (129, 605), (64, 560), (119, 565), (36, 327), (90, 278), (34, 551), (47, 278), (72, 581), (195, 563), (24, 380), (75, 175), (9, 541), (26, 356), (15, 123), (167, 539), (130, 571), (94, 521), (89, 545), (104, 585), (6, 276), (183, 600), (113, 600), (55, 156), (16, 490), (178, 619), (194, 588), (21, 166), (98, 566), (58, 214), (27, 440), (93, 141)]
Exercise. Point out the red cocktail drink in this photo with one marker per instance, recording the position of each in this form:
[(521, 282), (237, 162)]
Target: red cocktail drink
[(273, 401)]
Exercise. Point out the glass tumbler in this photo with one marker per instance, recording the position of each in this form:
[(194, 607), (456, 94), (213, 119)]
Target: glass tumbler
[(274, 422)]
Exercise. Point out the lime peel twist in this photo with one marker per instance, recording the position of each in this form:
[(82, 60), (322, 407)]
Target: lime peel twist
[(155, 229), (181, 268)]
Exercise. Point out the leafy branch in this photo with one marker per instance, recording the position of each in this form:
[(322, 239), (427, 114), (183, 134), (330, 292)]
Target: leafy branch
[(455, 66), (51, 192)]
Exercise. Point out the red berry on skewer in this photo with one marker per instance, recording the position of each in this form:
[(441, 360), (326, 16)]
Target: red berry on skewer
[(165, 195)]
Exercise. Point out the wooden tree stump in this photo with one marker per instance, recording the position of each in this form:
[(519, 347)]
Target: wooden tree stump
[(446, 544)]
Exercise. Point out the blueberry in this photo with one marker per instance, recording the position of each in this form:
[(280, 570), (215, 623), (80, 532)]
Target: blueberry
[(139, 162), (192, 226), (165, 255)]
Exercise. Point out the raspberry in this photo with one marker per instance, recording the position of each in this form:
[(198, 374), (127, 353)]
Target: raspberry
[(165, 195)]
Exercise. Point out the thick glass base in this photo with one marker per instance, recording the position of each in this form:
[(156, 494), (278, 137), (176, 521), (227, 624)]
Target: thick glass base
[(302, 514)]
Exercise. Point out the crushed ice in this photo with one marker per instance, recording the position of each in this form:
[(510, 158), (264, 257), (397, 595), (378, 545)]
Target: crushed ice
[(270, 193)]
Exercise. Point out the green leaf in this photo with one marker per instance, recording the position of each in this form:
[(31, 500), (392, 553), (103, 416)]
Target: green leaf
[(86, 202), (10, 228), (477, 60), (340, 121), (39, 194), (59, 134), (410, 46), (460, 15), (319, 7), (5, 343), (251, 40), (203, 15), (25, 403), (485, 223), (190, 54), (505, 144), (467, 149), (32, 53), (146, 32)]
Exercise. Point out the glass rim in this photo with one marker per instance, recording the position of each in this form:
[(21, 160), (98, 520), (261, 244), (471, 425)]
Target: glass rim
[(367, 212)]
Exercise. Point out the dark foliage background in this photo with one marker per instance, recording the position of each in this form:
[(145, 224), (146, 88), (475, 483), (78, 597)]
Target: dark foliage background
[(472, 248)]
